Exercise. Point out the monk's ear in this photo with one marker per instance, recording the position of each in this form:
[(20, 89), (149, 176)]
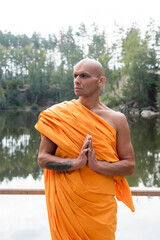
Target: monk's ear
[(101, 81)]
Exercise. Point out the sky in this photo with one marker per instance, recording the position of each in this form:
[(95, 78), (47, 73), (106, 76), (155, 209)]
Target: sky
[(50, 16)]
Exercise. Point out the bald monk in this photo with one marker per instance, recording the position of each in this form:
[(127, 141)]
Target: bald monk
[(85, 152)]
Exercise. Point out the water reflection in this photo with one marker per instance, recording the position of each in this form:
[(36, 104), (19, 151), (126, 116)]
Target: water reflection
[(12, 145), (19, 143), (145, 134)]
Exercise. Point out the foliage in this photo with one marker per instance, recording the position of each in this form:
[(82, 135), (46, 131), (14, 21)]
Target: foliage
[(34, 106), (158, 100), (2, 99), (38, 70), (138, 62), (111, 100), (158, 94)]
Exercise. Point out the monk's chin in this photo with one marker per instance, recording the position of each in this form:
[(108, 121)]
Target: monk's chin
[(78, 94)]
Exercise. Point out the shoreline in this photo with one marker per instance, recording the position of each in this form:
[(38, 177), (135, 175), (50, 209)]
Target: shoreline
[(147, 112)]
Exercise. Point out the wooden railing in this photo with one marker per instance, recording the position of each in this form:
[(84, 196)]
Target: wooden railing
[(135, 192)]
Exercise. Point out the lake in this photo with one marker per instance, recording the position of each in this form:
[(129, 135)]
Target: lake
[(25, 217)]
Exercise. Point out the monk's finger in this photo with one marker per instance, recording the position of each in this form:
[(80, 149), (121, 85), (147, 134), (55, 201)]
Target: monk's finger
[(85, 143), (90, 145), (89, 155), (84, 152)]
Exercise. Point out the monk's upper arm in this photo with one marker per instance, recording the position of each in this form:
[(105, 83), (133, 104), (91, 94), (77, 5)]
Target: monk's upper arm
[(47, 146), (46, 150), (124, 145)]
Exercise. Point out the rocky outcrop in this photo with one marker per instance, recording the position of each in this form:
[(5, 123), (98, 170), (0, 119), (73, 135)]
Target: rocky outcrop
[(148, 113), (132, 109)]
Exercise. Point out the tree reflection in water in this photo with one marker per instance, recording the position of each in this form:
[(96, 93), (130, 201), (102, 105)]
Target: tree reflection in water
[(19, 143), (145, 134)]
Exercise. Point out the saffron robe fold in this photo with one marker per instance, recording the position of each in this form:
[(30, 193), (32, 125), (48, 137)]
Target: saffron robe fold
[(81, 203)]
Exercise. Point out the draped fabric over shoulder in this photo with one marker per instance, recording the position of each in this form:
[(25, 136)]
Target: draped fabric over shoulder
[(81, 203)]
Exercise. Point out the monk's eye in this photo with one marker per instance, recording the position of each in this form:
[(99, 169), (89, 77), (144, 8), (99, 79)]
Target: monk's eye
[(75, 75), (83, 75)]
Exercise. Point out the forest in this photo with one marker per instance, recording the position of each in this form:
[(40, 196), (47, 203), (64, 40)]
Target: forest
[(37, 71)]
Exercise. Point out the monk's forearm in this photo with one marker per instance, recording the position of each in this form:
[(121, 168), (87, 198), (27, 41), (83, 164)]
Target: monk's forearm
[(59, 166), (52, 162), (120, 168)]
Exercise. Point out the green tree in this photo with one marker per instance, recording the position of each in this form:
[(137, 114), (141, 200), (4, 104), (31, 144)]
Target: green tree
[(97, 46), (37, 75), (70, 52), (2, 99), (138, 60), (81, 37), (109, 93)]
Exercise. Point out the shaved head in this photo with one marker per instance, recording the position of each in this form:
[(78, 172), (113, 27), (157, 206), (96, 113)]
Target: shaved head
[(93, 65), (88, 77)]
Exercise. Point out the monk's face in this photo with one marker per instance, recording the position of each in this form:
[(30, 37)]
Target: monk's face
[(86, 78)]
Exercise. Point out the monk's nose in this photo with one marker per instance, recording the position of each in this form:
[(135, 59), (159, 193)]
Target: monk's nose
[(77, 80)]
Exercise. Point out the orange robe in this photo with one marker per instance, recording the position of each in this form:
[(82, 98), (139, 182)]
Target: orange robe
[(81, 204)]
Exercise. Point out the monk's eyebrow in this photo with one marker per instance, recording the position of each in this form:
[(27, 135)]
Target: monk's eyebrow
[(82, 74), (75, 75)]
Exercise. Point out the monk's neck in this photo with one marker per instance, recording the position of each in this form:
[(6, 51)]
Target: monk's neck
[(90, 103)]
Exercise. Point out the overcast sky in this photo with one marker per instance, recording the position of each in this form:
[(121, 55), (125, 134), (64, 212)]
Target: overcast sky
[(49, 16)]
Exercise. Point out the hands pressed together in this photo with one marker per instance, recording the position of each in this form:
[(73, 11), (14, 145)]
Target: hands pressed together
[(87, 154), (48, 160)]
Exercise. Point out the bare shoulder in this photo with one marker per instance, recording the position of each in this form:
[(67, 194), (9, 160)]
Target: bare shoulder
[(120, 121), (115, 118)]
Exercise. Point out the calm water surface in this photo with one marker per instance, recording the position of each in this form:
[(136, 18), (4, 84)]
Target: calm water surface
[(19, 143)]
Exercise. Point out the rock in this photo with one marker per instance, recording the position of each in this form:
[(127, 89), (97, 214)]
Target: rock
[(148, 113)]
